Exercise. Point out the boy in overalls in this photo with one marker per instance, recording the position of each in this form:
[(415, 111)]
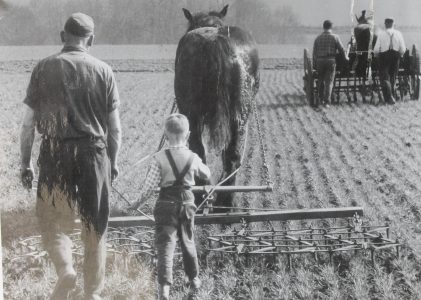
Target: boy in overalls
[(174, 169)]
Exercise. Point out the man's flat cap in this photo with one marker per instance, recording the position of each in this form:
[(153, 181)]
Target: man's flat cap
[(327, 24), (388, 20), (79, 24)]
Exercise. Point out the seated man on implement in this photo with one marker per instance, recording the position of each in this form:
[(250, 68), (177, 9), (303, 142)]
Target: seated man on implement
[(389, 47), (325, 48)]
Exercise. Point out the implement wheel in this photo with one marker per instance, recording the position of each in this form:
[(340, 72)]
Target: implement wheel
[(415, 73), (309, 79)]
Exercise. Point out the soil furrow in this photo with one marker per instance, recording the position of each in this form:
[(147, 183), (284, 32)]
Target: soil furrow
[(376, 175), (405, 170), (396, 139)]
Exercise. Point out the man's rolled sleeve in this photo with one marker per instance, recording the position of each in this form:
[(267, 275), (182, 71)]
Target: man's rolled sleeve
[(113, 96), (402, 46), (32, 99)]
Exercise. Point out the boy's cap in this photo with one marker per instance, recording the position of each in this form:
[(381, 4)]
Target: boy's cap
[(79, 24), (177, 124)]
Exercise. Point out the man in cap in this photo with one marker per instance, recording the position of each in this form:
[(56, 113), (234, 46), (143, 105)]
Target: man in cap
[(325, 48), (72, 100), (362, 19), (389, 47)]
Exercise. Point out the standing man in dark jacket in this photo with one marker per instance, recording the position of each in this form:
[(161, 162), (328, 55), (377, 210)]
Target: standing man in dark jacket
[(72, 100), (325, 48)]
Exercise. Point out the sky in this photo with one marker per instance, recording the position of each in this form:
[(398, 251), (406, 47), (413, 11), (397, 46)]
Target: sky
[(313, 12)]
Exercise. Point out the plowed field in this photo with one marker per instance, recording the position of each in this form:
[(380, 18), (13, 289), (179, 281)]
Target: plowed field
[(343, 155)]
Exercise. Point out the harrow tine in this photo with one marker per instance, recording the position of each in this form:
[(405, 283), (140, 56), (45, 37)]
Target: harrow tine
[(23, 255), (252, 239), (377, 229), (24, 241), (346, 248), (223, 248), (41, 254), (241, 232), (339, 231), (299, 240), (262, 233), (301, 231), (263, 250), (339, 239), (373, 236), (240, 248), (220, 241), (305, 250), (385, 246)]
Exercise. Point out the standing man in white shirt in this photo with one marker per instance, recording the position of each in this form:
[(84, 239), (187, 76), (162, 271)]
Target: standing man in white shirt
[(389, 47)]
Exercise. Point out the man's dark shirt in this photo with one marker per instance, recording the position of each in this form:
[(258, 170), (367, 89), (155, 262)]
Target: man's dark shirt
[(326, 45), (72, 94)]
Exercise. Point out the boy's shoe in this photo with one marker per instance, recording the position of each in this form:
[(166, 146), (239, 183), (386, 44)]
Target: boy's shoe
[(195, 283), (65, 283), (164, 292)]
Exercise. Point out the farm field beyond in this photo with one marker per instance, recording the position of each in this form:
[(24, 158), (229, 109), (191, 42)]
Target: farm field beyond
[(355, 154)]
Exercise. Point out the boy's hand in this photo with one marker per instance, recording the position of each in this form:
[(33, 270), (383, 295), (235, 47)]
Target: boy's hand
[(27, 176)]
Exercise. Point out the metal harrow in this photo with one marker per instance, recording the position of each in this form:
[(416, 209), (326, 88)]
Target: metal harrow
[(126, 243), (133, 238), (315, 241)]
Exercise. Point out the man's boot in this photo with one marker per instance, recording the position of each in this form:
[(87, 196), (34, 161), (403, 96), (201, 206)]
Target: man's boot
[(65, 283)]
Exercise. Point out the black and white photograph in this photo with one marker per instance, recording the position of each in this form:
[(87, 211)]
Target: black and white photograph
[(210, 149)]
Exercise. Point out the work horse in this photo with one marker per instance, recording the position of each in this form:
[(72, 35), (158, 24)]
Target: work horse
[(361, 60), (216, 81), (363, 39)]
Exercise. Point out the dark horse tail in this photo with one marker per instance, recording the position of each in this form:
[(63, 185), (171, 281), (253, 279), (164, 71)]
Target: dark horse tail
[(362, 33), (214, 71)]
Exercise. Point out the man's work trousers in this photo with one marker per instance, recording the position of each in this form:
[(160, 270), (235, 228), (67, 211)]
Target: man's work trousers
[(75, 174), (175, 220), (326, 68), (388, 70)]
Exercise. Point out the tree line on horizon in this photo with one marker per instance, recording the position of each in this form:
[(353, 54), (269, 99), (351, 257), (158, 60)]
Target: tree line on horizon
[(141, 21)]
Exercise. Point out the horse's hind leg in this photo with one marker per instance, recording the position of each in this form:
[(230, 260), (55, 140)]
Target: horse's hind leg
[(196, 145), (231, 161)]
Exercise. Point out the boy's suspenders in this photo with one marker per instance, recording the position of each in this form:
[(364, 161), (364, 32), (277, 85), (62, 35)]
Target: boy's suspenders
[(179, 176)]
